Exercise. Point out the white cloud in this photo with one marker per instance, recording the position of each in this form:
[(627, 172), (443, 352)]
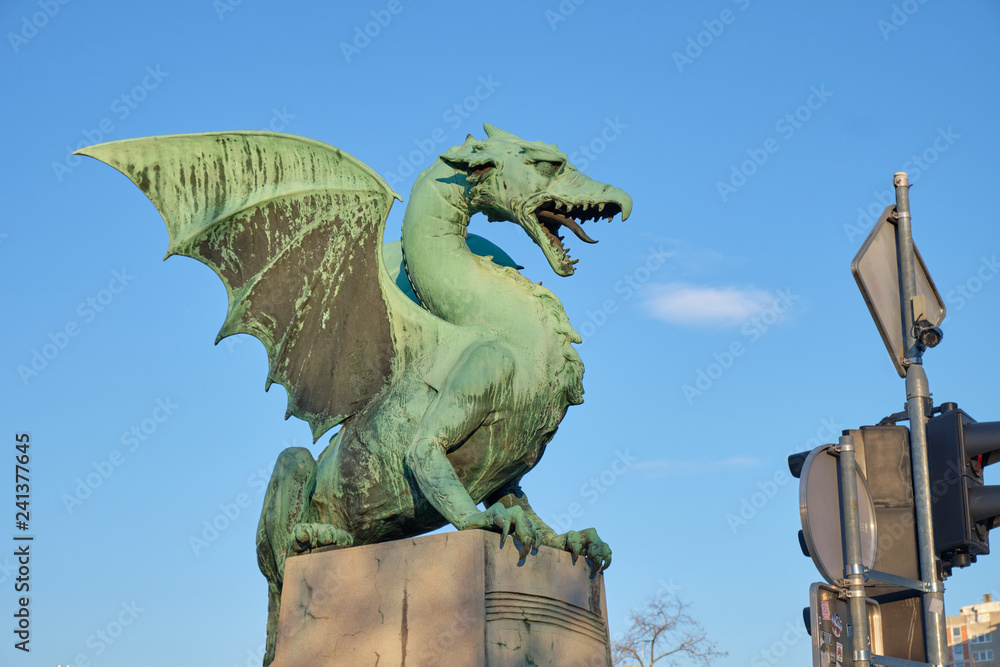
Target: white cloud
[(682, 303), (672, 468)]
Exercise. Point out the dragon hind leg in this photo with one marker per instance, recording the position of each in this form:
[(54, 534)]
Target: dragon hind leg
[(287, 527)]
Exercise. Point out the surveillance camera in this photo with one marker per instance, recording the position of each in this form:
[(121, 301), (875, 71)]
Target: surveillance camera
[(929, 336)]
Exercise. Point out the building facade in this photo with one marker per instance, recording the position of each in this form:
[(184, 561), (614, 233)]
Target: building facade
[(972, 635)]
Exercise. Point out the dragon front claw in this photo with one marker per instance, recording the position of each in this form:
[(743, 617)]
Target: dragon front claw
[(588, 544), (507, 520)]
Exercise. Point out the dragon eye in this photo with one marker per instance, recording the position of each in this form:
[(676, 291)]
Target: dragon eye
[(546, 168), (481, 170)]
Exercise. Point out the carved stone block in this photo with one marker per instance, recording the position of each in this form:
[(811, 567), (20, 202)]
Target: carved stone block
[(449, 599)]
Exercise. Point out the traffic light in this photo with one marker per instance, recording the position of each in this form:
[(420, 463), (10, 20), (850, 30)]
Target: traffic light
[(964, 508), (883, 455)]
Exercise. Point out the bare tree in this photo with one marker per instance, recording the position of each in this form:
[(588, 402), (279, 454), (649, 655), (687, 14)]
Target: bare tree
[(662, 633)]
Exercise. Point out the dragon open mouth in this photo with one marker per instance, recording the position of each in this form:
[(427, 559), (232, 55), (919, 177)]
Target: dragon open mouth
[(554, 213)]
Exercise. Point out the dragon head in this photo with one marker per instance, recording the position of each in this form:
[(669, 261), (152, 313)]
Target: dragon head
[(534, 185)]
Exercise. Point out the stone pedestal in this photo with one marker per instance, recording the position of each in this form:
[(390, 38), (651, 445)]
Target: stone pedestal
[(455, 600)]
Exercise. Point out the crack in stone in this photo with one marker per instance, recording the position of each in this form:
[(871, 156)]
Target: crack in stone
[(404, 631)]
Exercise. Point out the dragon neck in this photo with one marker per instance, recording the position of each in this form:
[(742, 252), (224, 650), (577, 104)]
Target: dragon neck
[(465, 289)]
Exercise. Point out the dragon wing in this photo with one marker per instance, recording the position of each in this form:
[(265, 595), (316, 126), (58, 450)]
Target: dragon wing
[(294, 228)]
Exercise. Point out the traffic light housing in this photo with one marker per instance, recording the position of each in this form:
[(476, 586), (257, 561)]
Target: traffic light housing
[(883, 454), (964, 507)]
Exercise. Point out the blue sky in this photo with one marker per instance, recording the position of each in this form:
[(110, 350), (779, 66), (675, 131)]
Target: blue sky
[(754, 139)]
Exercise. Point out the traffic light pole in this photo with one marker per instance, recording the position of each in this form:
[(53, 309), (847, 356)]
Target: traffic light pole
[(854, 570), (933, 599), (917, 397)]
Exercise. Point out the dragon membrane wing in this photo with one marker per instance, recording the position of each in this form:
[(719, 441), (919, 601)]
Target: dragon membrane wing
[(294, 228)]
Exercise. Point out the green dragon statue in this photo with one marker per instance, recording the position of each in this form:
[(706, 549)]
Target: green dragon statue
[(447, 399)]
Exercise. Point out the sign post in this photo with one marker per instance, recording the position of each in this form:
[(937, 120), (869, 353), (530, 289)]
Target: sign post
[(917, 396), (908, 324)]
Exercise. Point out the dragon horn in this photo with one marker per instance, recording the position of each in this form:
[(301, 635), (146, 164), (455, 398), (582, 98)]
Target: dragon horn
[(494, 132)]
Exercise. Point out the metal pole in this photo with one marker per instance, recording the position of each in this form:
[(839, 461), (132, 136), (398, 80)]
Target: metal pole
[(935, 639), (907, 278), (854, 570), (917, 395)]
